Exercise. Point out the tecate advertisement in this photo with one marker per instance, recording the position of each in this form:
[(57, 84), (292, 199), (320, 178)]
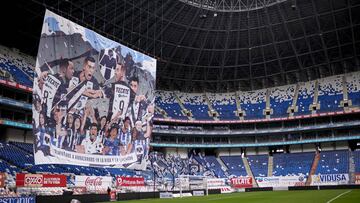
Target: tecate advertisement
[(241, 182)]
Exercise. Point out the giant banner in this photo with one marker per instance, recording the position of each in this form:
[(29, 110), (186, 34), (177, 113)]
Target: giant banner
[(93, 98), (330, 179)]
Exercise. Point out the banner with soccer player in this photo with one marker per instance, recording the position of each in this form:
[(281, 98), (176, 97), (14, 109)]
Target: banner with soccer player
[(93, 98)]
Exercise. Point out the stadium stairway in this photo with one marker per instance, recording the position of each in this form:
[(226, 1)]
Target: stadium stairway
[(249, 172), (313, 168), (293, 108), (222, 164), (345, 95), (270, 166), (315, 106), (238, 106), (212, 111), (184, 111), (351, 167), (161, 111), (267, 111)]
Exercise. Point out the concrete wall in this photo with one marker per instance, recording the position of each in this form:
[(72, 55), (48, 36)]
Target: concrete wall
[(14, 134)]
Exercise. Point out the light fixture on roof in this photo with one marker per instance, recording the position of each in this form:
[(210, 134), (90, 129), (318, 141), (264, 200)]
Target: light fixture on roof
[(202, 16), (293, 5)]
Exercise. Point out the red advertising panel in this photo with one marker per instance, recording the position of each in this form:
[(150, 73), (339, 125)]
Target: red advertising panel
[(40, 180), (113, 196), (15, 85), (357, 178), (130, 181), (2, 179), (241, 182)]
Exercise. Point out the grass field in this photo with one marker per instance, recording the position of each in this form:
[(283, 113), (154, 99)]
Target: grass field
[(309, 196)]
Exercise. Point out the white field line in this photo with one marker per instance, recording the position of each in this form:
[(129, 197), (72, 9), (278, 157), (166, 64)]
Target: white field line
[(232, 196), (338, 196), (219, 198)]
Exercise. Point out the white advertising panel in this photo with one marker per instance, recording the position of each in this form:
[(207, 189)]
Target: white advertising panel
[(93, 183), (281, 181), (330, 179)]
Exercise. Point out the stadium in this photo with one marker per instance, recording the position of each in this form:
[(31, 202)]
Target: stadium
[(180, 101)]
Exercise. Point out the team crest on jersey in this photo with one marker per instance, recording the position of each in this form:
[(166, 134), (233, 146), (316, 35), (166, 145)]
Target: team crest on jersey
[(83, 99), (73, 83)]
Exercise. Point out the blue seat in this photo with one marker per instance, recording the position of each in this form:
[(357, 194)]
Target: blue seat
[(235, 165), (333, 162), (259, 165), (281, 98), (292, 164)]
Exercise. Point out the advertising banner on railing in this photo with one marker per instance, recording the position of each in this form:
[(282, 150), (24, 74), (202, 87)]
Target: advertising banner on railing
[(241, 182), (79, 190), (40, 180), (122, 181), (15, 124), (183, 181), (281, 181), (93, 183), (30, 199), (2, 179), (215, 182), (15, 85), (93, 98), (357, 178), (330, 179)]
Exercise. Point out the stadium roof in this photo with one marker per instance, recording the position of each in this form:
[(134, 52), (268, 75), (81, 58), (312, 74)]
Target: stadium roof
[(213, 45)]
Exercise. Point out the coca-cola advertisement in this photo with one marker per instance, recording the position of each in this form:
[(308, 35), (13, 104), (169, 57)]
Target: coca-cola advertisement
[(241, 182), (93, 183), (40, 180), (122, 181)]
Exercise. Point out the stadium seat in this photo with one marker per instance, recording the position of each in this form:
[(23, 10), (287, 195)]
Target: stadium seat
[(292, 164), (259, 165), (235, 165), (333, 162)]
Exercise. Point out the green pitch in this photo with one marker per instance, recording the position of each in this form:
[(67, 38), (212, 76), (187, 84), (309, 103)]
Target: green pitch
[(309, 196)]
